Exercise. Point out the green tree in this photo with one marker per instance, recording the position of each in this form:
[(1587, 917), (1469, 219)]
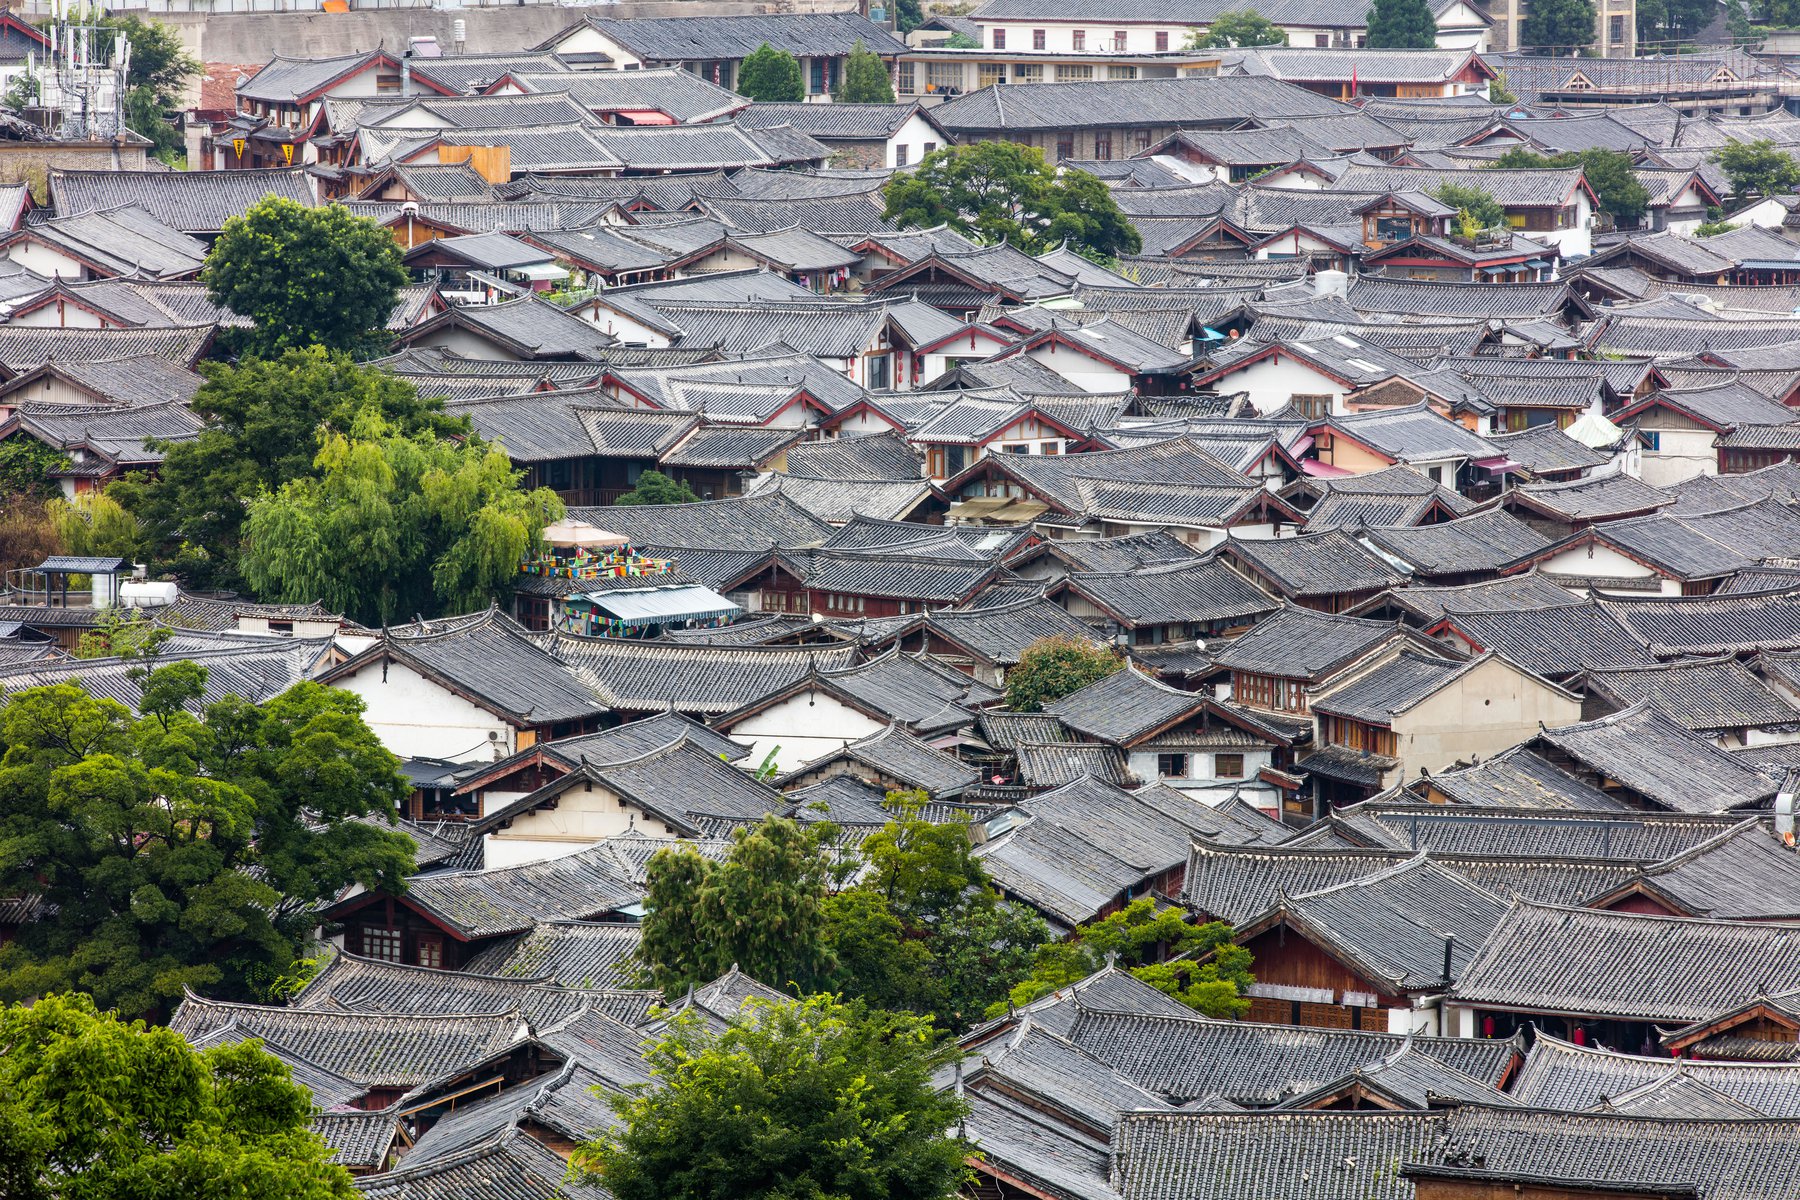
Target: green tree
[(25, 467), (908, 15), (159, 74), (771, 76), (1144, 940), (761, 909), (997, 191), (394, 523), (865, 78), (1711, 228), (1239, 30), (1757, 168), (1608, 172), (803, 1100), (1402, 25), (95, 524), (1558, 27), (306, 277), (1052, 667), (1497, 93), (122, 634), (962, 41), (653, 487), (263, 419), (1477, 207), (188, 844), (93, 1108)]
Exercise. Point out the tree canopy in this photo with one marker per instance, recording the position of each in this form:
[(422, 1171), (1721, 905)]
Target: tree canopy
[(1758, 168), (393, 523), (1241, 30), (995, 191), (1159, 948), (306, 277), (803, 1100), (263, 419), (653, 487), (1402, 25), (761, 910), (1476, 207), (1608, 172), (1052, 667), (93, 1108), (771, 76), (1557, 27), (922, 931), (865, 78), (184, 845)]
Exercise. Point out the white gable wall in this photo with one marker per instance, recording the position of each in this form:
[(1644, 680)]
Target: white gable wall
[(417, 718), (802, 728)]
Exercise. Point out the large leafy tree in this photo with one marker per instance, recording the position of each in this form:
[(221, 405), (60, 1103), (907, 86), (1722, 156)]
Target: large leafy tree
[(394, 523), (1402, 25), (1052, 667), (185, 845), (1558, 27), (1241, 29), (923, 930), (305, 277), (1002, 190), (93, 1108), (1160, 948), (761, 909), (865, 78), (1608, 172), (804, 1100), (1758, 168), (262, 424), (771, 76)]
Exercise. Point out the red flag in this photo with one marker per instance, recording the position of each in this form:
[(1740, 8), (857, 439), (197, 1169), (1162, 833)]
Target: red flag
[(1353, 79)]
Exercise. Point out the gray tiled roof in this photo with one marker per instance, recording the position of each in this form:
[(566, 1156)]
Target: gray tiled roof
[(1703, 694), (1552, 641), (510, 1166), (732, 524), (1125, 706), (1088, 842), (511, 900), (1520, 778), (1545, 958), (356, 984), (1668, 765), (1194, 100), (1302, 643), (1723, 1159), (679, 39), (489, 656), (1190, 1057), (1203, 591), (1380, 695), (652, 675), (191, 201), (1314, 564), (23, 347), (1394, 924), (1561, 1075), (1712, 624), (1480, 542), (376, 1049)]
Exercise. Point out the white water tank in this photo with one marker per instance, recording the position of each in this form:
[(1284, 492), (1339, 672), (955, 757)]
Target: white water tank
[(1330, 283), (143, 594)]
